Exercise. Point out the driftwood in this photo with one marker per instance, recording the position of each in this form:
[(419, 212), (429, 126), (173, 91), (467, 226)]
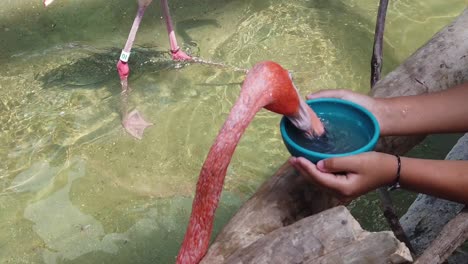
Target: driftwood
[(451, 237), (287, 197), (332, 236), (281, 201)]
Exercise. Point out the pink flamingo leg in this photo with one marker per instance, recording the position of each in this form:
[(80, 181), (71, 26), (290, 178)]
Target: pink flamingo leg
[(133, 122), (122, 66), (177, 54)]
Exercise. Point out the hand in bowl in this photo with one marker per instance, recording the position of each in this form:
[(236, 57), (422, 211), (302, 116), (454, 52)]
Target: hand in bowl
[(376, 106)]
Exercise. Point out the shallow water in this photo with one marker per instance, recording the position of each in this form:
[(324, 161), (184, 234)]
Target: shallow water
[(75, 188)]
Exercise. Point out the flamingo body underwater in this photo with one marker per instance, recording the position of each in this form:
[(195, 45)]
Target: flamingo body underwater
[(267, 85), (133, 122)]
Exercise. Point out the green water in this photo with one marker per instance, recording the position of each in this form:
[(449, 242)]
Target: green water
[(75, 188)]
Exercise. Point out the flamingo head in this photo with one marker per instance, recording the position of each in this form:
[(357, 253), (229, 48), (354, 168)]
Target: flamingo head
[(279, 95)]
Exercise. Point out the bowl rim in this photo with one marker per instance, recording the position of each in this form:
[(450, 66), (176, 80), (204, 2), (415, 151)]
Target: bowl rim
[(320, 155)]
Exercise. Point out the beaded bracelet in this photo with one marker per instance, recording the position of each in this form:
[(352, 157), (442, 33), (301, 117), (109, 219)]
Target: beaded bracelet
[(396, 183)]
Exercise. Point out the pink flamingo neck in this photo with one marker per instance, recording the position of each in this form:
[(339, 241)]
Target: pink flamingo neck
[(212, 175)]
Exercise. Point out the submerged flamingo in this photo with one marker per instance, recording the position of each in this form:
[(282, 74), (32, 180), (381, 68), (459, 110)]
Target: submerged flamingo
[(267, 85), (133, 122)]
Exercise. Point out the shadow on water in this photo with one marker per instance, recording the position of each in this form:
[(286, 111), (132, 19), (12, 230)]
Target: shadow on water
[(100, 67)]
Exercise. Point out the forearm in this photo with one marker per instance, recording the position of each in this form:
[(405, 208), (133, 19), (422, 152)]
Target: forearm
[(446, 179), (441, 112)]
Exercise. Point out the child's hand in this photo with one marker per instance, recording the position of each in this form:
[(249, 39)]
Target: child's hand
[(352, 176), (376, 106), (364, 100)]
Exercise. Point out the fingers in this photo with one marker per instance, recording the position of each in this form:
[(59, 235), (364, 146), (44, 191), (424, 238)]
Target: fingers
[(342, 164), (294, 163), (329, 180), (345, 176), (334, 93)]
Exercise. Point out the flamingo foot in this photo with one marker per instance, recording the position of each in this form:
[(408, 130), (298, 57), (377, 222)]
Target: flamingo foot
[(134, 124), (47, 2), (179, 55)]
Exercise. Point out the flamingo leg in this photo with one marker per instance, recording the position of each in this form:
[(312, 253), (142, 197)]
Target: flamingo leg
[(176, 52), (133, 122)]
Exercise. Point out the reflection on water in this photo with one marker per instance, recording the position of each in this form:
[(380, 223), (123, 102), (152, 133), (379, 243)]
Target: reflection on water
[(75, 188)]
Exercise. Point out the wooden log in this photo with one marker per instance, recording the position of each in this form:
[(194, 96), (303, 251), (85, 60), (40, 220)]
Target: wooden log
[(450, 238), (284, 199), (332, 236), (287, 197)]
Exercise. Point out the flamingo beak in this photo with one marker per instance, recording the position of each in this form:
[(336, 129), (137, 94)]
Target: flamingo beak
[(47, 2), (306, 120)]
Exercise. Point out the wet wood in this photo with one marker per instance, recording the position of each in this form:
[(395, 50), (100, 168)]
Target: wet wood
[(452, 236), (287, 197)]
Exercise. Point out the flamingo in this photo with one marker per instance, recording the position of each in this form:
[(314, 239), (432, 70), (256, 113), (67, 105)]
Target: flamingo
[(267, 85), (133, 122)]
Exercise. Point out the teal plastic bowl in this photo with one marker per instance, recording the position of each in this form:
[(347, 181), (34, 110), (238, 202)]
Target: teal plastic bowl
[(363, 122)]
